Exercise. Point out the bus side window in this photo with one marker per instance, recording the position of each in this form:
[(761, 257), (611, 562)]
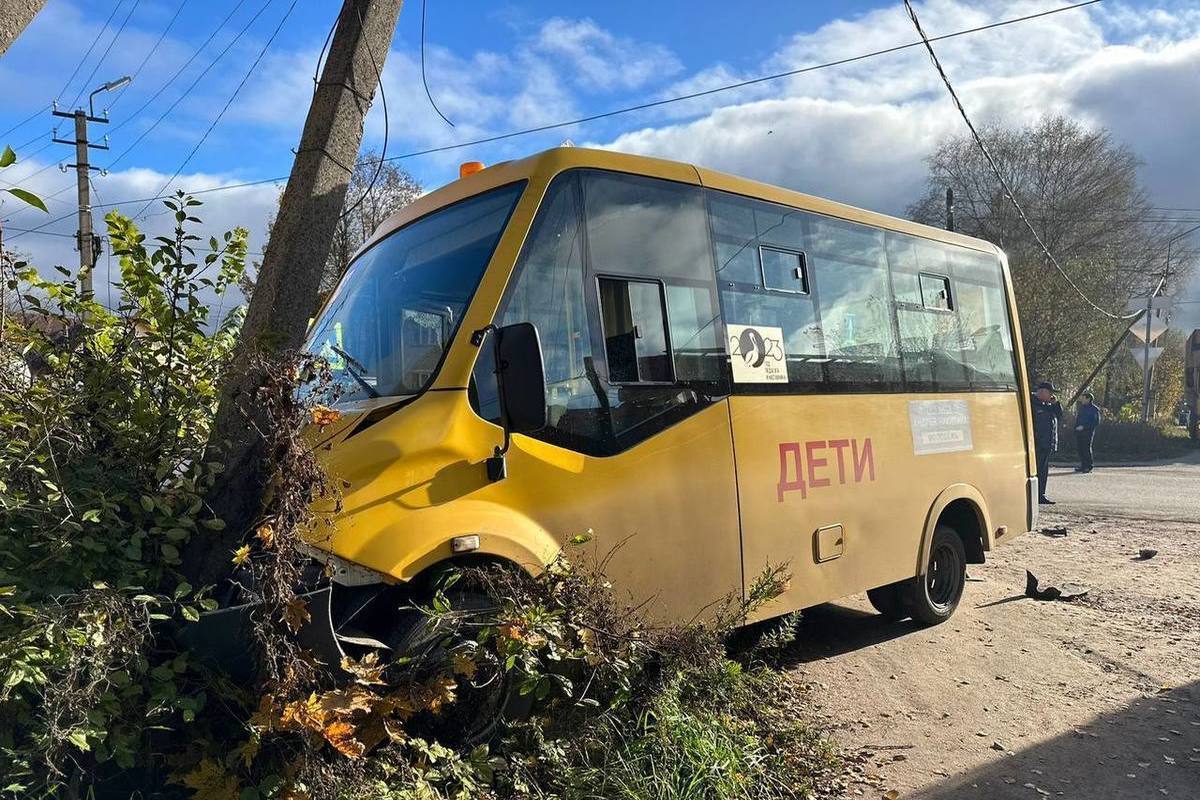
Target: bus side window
[(762, 272), (931, 345), (850, 273), (548, 290), (651, 265), (983, 315)]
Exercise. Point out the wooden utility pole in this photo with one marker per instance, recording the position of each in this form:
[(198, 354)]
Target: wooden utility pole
[(286, 290), (15, 15)]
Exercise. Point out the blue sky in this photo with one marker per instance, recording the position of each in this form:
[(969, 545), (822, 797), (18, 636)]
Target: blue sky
[(856, 133)]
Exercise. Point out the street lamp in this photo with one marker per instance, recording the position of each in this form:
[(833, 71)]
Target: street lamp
[(107, 87)]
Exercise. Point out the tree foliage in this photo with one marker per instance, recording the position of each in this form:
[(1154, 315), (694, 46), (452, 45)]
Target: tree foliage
[(1081, 191), (105, 415)]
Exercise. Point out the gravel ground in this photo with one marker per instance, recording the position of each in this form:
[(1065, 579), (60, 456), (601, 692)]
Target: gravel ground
[(1016, 698)]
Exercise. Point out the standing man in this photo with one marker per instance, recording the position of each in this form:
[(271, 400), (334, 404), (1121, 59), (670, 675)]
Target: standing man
[(1047, 414), (1087, 419)]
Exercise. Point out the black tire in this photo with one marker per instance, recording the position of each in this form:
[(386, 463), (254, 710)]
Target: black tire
[(888, 601), (479, 713), (932, 599)]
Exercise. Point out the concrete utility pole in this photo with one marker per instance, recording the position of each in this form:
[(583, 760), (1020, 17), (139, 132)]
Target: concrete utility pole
[(85, 241), (1146, 361), (15, 15), (88, 242), (286, 291)]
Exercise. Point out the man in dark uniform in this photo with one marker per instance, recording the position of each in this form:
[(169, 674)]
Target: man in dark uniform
[(1087, 419), (1047, 414)]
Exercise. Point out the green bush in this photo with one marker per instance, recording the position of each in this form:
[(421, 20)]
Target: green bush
[(105, 415), (1125, 441)]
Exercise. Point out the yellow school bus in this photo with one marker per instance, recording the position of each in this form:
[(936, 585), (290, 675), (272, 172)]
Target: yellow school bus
[(710, 374)]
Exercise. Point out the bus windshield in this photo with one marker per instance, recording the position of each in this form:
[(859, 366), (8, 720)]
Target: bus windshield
[(399, 304)]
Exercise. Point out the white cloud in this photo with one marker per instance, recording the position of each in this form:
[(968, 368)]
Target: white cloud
[(596, 59), (860, 132)]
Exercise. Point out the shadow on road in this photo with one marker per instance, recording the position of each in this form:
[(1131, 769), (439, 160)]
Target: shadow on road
[(1135, 753), (830, 630)]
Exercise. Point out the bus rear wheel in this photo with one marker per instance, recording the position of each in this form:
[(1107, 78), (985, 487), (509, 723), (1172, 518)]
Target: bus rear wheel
[(931, 599)]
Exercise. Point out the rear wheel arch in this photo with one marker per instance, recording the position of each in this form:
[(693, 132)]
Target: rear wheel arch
[(962, 508)]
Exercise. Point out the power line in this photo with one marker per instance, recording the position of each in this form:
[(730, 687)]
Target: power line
[(740, 84), (120, 92), (1000, 176), (262, 52), (204, 248), (179, 72), (86, 55), (88, 80), (665, 101), (424, 80), (14, 182), (27, 120)]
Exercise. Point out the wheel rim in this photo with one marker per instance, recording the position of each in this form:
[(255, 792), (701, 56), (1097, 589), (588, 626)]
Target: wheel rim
[(944, 581), (472, 720)]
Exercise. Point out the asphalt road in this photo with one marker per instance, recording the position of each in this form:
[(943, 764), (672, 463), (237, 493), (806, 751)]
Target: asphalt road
[(1168, 491)]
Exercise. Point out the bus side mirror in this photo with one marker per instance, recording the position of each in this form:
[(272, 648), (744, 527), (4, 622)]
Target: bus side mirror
[(521, 380), (521, 377)]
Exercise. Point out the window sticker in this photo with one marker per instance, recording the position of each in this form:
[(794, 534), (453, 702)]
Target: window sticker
[(940, 426), (757, 354)]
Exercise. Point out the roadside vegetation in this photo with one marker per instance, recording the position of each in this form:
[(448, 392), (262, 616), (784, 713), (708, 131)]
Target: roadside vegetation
[(103, 473)]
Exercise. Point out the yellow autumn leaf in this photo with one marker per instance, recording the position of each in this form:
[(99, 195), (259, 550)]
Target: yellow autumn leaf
[(340, 734), (241, 555), (368, 670), (324, 415), (296, 613), (347, 701), (266, 535), (249, 750), (464, 665), (210, 781), (440, 692), (303, 714)]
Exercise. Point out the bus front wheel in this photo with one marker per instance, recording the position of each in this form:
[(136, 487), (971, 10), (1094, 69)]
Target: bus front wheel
[(931, 599)]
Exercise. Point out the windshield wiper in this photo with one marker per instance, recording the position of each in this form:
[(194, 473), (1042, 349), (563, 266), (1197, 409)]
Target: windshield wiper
[(351, 363)]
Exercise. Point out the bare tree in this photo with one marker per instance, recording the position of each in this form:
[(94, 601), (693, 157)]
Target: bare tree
[(370, 200), (1080, 189)]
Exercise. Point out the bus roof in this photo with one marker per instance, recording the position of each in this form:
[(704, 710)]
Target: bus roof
[(542, 167)]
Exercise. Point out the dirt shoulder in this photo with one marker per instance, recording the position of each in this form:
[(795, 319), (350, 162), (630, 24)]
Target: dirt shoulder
[(1015, 698)]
